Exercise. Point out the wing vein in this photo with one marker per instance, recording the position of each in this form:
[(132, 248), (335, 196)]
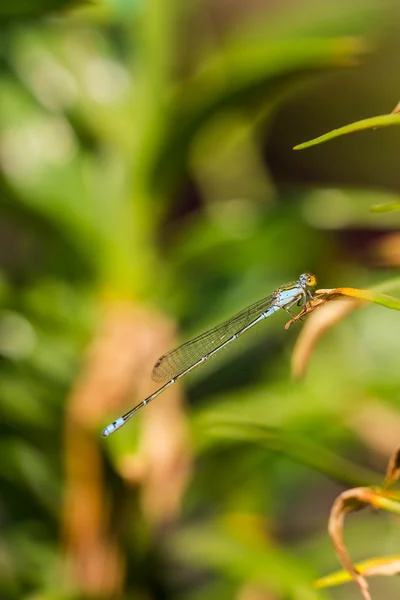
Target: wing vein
[(176, 361)]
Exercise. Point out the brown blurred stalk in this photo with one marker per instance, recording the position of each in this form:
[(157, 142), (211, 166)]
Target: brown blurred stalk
[(115, 374)]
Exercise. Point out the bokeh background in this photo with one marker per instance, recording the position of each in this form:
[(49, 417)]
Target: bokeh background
[(149, 190)]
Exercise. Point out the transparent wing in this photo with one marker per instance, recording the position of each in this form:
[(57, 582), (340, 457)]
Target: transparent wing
[(176, 361)]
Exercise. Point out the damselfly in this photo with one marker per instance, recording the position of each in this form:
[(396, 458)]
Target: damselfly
[(177, 363)]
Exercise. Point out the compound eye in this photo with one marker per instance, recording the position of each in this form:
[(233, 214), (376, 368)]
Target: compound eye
[(311, 281)]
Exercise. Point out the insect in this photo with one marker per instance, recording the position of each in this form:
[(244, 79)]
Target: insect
[(177, 363)]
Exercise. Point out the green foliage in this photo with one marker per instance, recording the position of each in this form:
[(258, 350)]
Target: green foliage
[(371, 123), (134, 174), (25, 9)]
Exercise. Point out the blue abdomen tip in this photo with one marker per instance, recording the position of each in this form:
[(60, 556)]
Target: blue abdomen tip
[(113, 427)]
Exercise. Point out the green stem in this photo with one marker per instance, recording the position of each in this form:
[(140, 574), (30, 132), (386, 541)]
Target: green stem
[(300, 450)]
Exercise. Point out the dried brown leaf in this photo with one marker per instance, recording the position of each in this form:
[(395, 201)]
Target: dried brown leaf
[(349, 501), (354, 500), (327, 316), (118, 361), (393, 469), (118, 366)]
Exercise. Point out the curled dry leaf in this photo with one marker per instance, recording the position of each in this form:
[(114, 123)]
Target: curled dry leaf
[(349, 501), (324, 319), (327, 316), (355, 500)]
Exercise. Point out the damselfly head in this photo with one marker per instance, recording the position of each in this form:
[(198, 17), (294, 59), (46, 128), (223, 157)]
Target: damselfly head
[(307, 280)]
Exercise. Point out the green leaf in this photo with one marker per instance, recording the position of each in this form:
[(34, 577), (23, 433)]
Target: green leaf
[(251, 75), (373, 566), (232, 548), (390, 504), (370, 296), (371, 123), (295, 447), (23, 9), (387, 207)]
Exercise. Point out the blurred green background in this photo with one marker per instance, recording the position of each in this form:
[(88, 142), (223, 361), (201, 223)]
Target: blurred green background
[(148, 190)]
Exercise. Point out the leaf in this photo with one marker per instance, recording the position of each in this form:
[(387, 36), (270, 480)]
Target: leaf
[(349, 501), (295, 447), (387, 207), (385, 565), (243, 74), (20, 9), (237, 547), (328, 315), (369, 296), (354, 500), (371, 123), (315, 327)]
